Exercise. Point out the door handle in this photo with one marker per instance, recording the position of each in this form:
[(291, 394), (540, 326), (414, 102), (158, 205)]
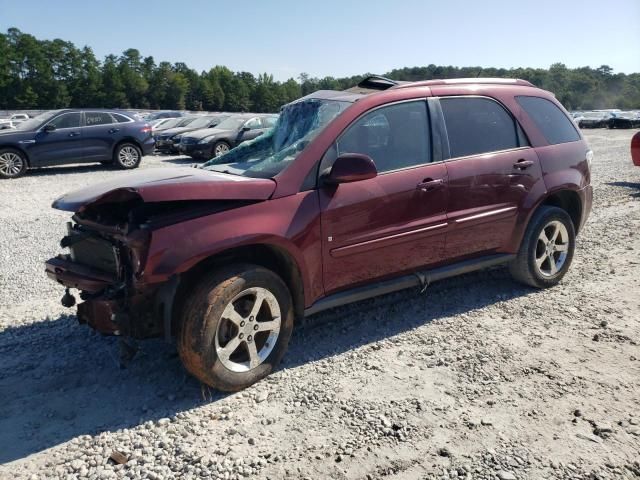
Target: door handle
[(74, 134), (522, 164), (114, 130), (429, 184)]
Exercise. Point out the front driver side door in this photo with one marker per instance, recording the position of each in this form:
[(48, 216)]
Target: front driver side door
[(59, 146), (250, 130), (393, 223)]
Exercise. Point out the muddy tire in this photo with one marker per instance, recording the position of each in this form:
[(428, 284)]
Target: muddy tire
[(546, 250), (235, 326)]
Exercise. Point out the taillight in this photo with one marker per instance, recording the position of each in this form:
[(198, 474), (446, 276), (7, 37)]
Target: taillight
[(146, 129)]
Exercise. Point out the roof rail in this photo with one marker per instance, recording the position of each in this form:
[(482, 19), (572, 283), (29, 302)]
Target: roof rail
[(463, 81)]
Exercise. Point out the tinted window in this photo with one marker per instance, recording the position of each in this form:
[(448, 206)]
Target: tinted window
[(551, 121), (121, 118), (477, 125), (67, 120), (97, 118), (395, 137)]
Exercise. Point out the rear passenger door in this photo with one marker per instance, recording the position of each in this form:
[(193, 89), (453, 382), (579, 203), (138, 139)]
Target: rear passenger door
[(100, 132), (492, 169)]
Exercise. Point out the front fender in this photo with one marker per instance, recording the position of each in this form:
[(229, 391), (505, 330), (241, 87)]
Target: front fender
[(291, 224)]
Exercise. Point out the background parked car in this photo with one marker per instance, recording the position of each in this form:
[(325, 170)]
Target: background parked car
[(209, 143), (166, 114), (172, 123), (625, 120), (168, 140), (595, 119), (73, 136)]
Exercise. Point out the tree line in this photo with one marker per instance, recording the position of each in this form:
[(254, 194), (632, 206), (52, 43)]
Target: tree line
[(48, 74)]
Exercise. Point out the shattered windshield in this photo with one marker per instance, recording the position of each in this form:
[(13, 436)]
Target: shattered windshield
[(272, 152)]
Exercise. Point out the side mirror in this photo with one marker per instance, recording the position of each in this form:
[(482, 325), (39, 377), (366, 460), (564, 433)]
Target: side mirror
[(350, 167), (49, 128), (245, 128), (635, 149)]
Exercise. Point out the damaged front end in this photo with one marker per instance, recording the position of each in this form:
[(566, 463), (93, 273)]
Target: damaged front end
[(108, 243), (111, 235)]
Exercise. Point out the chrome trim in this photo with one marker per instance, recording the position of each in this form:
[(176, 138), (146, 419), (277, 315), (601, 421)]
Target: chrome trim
[(485, 214), (389, 237), (27, 141)]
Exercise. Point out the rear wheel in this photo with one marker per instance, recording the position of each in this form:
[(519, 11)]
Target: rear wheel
[(236, 327), (13, 163), (546, 250), (127, 156)]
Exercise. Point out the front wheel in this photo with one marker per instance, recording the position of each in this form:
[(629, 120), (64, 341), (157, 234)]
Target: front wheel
[(546, 250), (220, 148), (236, 327), (127, 156), (12, 163)]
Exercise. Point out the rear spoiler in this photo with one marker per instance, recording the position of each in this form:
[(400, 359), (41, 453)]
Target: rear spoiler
[(375, 83)]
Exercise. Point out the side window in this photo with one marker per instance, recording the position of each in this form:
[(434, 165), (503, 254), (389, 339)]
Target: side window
[(97, 118), (121, 118), (477, 125), (66, 120), (554, 125), (253, 124), (396, 136)]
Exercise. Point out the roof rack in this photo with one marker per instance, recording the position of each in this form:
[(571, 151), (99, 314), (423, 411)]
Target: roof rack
[(463, 81)]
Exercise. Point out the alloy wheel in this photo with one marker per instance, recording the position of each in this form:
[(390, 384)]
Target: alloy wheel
[(128, 156), (11, 164), (552, 248), (248, 329), (221, 149)]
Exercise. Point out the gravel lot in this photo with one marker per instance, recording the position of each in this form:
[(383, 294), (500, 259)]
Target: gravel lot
[(476, 378)]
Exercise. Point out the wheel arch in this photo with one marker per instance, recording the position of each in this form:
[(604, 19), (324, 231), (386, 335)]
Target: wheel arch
[(19, 149), (272, 257), (569, 201), (126, 140)]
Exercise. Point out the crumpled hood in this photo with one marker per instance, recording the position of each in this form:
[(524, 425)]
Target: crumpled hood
[(169, 184)]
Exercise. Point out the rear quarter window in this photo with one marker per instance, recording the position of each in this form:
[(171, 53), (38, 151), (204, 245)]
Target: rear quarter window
[(552, 122)]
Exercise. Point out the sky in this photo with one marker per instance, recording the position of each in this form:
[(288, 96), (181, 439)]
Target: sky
[(344, 38)]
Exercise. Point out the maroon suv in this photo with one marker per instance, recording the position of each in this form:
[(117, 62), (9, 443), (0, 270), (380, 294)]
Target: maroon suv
[(351, 195)]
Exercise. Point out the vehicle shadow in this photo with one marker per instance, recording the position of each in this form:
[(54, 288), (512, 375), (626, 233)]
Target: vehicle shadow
[(82, 168), (631, 185), (60, 380)]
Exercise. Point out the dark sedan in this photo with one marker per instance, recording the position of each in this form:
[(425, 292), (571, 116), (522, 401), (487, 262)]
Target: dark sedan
[(595, 120), (168, 140), (209, 143), (625, 120), (74, 136)]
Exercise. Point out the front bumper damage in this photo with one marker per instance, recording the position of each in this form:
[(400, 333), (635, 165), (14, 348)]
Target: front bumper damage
[(115, 300)]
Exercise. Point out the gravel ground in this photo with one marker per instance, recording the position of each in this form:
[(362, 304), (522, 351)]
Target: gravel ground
[(477, 378)]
